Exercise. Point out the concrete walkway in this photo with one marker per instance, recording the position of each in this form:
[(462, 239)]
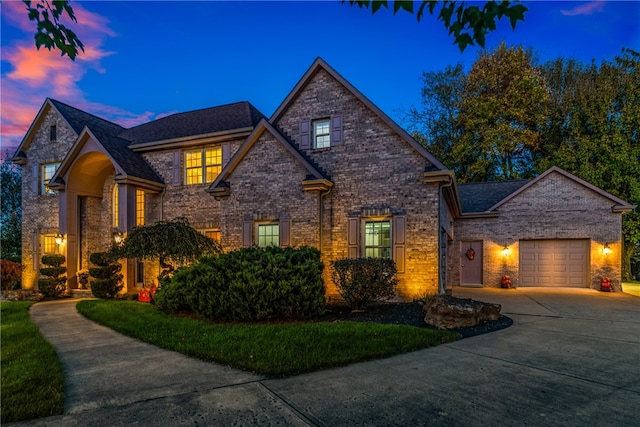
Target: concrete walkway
[(571, 358)]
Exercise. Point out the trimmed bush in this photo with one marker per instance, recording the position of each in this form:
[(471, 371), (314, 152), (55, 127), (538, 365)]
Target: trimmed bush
[(54, 283), (10, 274), (362, 281), (108, 281), (249, 284)]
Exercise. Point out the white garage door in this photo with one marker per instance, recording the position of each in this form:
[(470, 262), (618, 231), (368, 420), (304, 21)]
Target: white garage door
[(554, 263)]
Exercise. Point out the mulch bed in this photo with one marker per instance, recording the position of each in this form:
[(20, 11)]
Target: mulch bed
[(403, 314)]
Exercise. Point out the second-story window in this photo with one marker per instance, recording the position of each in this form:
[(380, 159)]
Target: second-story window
[(47, 171), (202, 166), (321, 134)]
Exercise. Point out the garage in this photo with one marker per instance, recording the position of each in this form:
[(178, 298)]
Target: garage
[(558, 262)]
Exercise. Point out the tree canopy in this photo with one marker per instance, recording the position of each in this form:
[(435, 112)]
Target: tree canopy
[(168, 241), (11, 212), (50, 31), (469, 24)]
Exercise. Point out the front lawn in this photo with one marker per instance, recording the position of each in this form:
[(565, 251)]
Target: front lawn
[(32, 381), (274, 349)]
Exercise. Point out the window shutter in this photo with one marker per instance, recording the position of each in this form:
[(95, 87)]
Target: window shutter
[(226, 154), (399, 242), (176, 168), (285, 232), (305, 135), (247, 234), (336, 131), (353, 237), (36, 252), (36, 181)]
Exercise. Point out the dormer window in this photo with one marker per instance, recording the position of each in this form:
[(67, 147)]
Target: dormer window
[(53, 133)]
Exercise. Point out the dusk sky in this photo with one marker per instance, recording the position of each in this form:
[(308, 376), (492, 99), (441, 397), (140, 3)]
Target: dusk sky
[(147, 59)]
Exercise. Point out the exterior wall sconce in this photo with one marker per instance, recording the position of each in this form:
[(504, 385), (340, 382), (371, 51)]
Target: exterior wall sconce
[(59, 239), (606, 249), (118, 238), (505, 251)]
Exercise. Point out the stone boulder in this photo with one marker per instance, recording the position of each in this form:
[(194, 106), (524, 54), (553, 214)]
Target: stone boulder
[(447, 312), (21, 295)]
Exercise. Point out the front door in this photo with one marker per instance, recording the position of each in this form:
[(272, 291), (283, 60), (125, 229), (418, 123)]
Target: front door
[(471, 263)]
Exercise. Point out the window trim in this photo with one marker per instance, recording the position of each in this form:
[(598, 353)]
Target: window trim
[(204, 166), (326, 141), (389, 247), (43, 181), (273, 225)]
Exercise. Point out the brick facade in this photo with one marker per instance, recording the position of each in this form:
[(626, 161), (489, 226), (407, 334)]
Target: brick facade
[(373, 172)]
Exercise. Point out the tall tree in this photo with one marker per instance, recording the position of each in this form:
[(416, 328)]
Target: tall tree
[(11, 212), (592, 131), (500, 111)]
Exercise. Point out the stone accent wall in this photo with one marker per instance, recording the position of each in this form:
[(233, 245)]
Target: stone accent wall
[(374, 168), (554, 208), (40, 211)]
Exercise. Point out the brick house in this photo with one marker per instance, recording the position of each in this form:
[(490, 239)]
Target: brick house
[(328, 169)]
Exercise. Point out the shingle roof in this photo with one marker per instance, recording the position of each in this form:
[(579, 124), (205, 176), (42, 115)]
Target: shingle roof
[(198, 122), (78, 119), (478, 197)]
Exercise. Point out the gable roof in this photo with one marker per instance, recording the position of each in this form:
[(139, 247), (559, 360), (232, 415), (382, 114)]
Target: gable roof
[(619, 204), (240, 115), (320, 64), (481, 196), (261, 127)]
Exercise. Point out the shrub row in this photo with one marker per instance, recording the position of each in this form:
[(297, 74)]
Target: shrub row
[(249, 284)]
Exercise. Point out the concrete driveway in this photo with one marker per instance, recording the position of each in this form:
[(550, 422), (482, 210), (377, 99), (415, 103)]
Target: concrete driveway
[(571, 358)]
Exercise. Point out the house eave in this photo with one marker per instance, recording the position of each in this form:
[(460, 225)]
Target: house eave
[(476, 215), (622, 208), (146, 184), (317, 185), (190, 141)]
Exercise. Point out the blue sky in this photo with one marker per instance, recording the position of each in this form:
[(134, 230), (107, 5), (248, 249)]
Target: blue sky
[(147, 59)]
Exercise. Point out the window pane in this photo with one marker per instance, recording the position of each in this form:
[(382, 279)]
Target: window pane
[(213, 234), (213, 163), (115, 205), (49, 245), (377, 239), (47, 173), (193, 167), (139, 207), (268, 235), (321, 134)]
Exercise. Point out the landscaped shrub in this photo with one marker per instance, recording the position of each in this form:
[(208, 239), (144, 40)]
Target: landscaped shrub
[(362, 281), (54, 283), (248, 284), (108, 281), (10, 274)]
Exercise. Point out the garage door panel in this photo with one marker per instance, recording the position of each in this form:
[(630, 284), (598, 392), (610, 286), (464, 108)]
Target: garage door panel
[(554, 262)]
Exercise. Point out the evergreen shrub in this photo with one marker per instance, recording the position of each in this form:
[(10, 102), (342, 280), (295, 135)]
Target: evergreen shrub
[(53, 283), (362, 281), (108, 281)]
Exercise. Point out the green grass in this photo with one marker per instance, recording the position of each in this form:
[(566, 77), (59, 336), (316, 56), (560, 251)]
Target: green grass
[(32, 381), (273, 350)]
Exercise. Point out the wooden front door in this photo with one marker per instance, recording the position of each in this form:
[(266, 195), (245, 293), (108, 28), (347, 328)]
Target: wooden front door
[(471, 263)]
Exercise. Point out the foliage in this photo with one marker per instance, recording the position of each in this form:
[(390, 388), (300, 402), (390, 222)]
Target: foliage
[(54, 282), (592, 131), (11, 210), (50, 32), (108, 281), (248, 284), (10, 274), (174, 241), (272, 349), (32, 384), (469, 24), (362, 281)]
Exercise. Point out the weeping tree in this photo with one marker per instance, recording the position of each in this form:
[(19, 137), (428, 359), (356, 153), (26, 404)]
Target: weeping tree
[(168, 241)]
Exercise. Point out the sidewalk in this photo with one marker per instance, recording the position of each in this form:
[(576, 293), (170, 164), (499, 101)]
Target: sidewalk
[(572, 357)]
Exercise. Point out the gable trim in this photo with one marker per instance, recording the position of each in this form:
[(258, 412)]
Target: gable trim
[(318, 64), (619, 207), (260, 128)]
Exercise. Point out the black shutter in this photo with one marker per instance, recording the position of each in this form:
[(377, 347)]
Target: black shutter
[(399, 242)]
